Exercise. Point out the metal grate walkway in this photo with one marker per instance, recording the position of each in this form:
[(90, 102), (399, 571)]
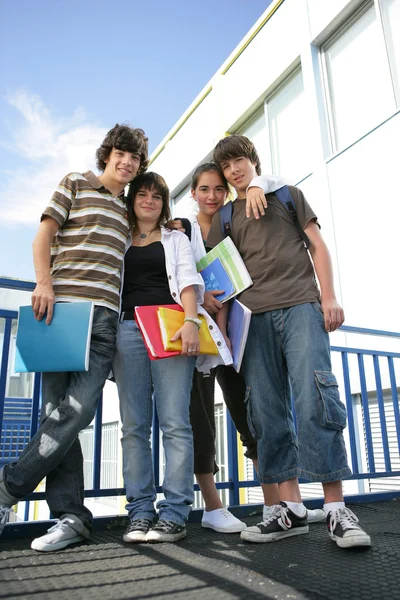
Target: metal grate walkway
[(207, 565)]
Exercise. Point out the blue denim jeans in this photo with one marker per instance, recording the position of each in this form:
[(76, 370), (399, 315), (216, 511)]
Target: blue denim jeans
[(171, 380), (69, 402), (289, 348)]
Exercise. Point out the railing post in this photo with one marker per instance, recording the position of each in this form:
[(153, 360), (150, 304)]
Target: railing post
[(98, 426), (233, 466), (3, 369)]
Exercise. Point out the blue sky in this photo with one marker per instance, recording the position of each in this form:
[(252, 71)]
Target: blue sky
[(71, 69)]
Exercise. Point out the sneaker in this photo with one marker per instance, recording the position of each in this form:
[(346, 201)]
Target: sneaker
[(317, 515), (344, 529), (137, 530), (5, 512), (166, 531), (222, 520), (66, 531), (280, 523)]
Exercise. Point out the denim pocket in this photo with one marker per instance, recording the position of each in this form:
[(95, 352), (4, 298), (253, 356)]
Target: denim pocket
[(249, 412), (318, 309), (331, 410)]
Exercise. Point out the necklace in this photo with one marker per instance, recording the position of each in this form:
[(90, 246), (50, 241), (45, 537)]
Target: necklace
[(144, 238)]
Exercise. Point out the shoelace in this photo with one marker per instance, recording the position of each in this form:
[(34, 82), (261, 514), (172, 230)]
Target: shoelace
[(139, 523), (4, 514), (164, 525), (59, 524), (225, 513), (345, 517), (280, 512)]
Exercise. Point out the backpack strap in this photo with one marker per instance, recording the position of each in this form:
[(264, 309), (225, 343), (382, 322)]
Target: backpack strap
[(225, 215), (285, 198), (187, 226)]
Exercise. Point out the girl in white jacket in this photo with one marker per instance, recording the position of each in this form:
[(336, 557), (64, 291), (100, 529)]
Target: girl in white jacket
[(159, 269)]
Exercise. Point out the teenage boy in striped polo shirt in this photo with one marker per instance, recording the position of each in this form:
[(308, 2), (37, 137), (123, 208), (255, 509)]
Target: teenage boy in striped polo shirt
[(77, 253)]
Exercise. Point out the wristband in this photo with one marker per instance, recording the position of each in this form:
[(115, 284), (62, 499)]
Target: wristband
[(197, 322)]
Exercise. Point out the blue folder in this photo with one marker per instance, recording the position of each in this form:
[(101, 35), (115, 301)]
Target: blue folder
[(216, 278), (239, 317), (63, 345)]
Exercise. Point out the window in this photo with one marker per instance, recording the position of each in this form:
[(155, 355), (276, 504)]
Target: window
[(256, 131), (280, 131), (360, 92), (391, 22), (289, 130), (182, 204)]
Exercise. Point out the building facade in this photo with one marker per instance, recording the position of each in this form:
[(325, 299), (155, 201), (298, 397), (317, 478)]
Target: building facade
[(316, 86)]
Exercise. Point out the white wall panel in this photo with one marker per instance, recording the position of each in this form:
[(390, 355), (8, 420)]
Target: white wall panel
[(190, 145), (270, 53), (364, 191), (322, 12)]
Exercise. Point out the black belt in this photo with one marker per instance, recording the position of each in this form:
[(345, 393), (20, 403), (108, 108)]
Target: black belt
[(127, 315)]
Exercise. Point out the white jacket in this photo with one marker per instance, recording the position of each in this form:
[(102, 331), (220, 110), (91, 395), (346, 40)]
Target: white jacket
[(181, 272)]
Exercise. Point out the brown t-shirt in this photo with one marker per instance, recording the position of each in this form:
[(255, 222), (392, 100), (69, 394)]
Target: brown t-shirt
[(274, 253)]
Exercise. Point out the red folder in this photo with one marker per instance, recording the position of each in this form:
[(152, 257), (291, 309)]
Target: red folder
[(147, 320)]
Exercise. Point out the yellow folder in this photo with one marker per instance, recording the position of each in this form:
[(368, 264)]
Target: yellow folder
[(171, 320)]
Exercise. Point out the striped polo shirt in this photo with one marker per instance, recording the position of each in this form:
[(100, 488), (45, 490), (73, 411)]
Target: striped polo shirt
[(88, 249)]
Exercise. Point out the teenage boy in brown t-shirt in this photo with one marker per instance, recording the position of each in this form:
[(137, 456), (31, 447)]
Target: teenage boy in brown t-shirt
[(288, 348)]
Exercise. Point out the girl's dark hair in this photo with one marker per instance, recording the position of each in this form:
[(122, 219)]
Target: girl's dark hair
[(206, 168), (126, 139), (149, 181), (234, 146)]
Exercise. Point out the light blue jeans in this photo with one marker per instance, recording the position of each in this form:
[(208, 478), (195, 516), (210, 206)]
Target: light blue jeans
[(170, 379), (68, 406), (288, 351)]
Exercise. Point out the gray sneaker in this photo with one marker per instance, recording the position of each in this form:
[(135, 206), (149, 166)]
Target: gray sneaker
[(68, 530), (166, 531), (5, 512), (137, 530), (344, 529)]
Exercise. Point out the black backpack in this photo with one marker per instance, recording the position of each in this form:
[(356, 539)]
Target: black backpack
[(285, 198)]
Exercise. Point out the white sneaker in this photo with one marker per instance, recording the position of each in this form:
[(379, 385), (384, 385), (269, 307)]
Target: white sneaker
[(222, 520), (313, 516), (316, 515), (5, 512), (68, 530)]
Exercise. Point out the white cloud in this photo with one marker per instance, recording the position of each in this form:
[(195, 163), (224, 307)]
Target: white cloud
[(46, 148)]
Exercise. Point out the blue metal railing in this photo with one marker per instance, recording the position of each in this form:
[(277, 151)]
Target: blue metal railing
[(361, 441)]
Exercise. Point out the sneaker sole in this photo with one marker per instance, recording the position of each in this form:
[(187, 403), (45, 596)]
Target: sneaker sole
[(155, 537), (362, 541), (44, 547), (261, 538), (134, 538), (238, 529)]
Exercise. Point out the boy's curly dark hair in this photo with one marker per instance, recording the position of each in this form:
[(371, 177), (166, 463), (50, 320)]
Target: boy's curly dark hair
[(235, 146), (126, 139)]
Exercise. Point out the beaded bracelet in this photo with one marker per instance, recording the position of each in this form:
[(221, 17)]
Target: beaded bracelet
[(193, 320)]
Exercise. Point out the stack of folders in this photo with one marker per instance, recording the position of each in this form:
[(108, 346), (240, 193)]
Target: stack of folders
[(223, 269), (64, 345), (238, 328), (158, 324)]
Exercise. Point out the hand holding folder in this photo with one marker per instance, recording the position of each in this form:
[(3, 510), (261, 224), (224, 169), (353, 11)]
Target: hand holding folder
[(148, 321), (171, 320), (63, 345)]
